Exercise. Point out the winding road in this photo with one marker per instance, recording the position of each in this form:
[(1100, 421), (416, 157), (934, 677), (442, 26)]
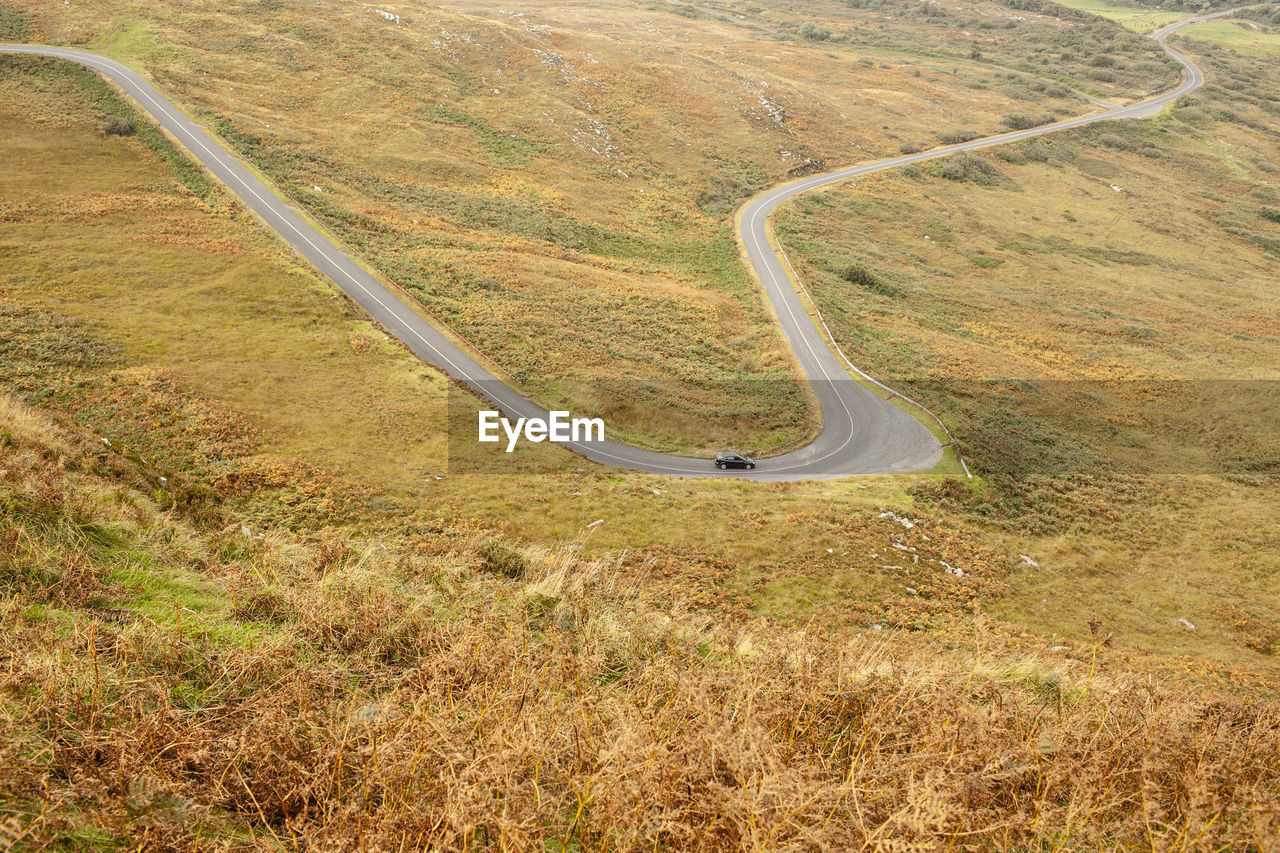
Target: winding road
[(861, 433)]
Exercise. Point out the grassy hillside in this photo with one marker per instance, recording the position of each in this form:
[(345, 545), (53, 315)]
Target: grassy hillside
[(556, 184), (174, 679), (183, 297), (245, 603), (1094, 315)]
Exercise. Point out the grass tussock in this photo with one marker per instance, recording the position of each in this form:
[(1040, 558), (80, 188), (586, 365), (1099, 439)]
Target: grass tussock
[(170, 681)]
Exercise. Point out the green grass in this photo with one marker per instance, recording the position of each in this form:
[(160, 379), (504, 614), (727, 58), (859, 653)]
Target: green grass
[(1243, 37), (1136, 18), (503, 147), (14, 26), (129, 37)]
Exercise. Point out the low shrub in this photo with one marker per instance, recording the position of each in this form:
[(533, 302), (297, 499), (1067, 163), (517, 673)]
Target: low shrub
[(14, 26), (118, 126), (863, 277), (968, 167), (955, 137), (1022, 121), (813, 32), (1044, 151), (1114, 140), (498, 559)]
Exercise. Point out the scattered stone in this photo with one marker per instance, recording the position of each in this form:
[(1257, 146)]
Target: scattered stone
[(903, 520), (1186, 624), (911, 591), (1027, 561), (248, 534), (1059, 648), (877, 627)]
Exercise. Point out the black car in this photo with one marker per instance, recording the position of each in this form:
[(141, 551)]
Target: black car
[(729, 459)]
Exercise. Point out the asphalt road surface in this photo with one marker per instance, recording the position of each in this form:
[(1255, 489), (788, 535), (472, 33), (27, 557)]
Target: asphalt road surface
[(861, 433)]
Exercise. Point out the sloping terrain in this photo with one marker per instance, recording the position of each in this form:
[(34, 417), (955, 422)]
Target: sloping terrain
[(242, 606), (1094, 315), (174, 679), (556, 184), (315, 382)]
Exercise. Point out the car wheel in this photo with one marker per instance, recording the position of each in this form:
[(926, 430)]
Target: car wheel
[(721, 465), (750, 465)]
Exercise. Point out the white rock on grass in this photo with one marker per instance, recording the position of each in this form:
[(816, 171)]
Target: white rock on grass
[(901, 519), (1184, 623)]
